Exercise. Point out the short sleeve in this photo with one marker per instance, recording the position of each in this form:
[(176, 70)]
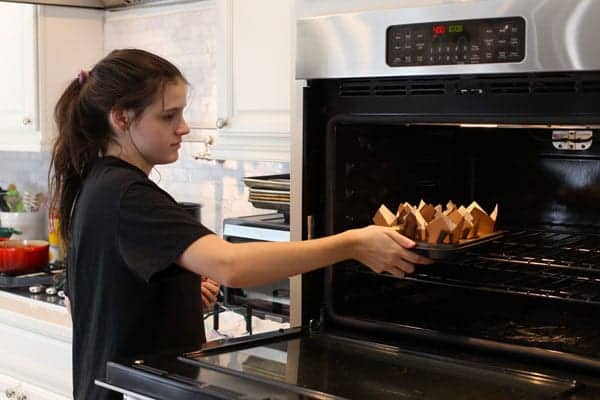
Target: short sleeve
[(153, 229)]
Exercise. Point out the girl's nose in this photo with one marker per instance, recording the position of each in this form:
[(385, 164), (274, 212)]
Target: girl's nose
[(183, 128)]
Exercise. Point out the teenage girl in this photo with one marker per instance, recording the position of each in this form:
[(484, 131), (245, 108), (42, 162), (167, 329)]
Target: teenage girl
[(135, 258)]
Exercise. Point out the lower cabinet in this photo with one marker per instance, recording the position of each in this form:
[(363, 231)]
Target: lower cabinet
[(13, 389), (35, 355)]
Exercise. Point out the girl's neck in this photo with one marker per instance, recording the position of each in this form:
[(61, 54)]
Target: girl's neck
[(128, 155)]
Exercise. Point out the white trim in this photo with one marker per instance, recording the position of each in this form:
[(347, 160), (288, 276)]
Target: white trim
[(126, 393), (20, 141), (154, 9), (252, 146), (250, 232)]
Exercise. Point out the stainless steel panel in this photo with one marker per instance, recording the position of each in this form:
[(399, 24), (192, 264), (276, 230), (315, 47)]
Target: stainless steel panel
[(561, 35)]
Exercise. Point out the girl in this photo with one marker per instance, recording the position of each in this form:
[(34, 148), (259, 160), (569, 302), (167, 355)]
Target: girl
[(135, 257)]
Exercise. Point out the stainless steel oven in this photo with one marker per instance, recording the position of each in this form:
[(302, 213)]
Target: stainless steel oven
[(494, 101)]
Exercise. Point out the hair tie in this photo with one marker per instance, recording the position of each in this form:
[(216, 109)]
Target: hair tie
[(83, 76)]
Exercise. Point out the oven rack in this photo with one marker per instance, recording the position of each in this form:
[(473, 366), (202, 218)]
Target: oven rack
[(575, 251), (527, 280), (535, 263), (532, 263)]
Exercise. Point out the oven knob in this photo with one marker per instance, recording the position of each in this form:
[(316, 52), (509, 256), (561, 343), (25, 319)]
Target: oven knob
[(35, 289), (22, 397), (10, 393)]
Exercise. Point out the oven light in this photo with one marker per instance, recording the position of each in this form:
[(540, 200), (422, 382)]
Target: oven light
[(478, 125)]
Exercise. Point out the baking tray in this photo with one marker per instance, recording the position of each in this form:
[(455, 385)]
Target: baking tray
[(283, 206), (444, 251), (274, 182)]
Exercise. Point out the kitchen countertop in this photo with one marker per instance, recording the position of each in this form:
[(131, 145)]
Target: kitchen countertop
[(27, 312)]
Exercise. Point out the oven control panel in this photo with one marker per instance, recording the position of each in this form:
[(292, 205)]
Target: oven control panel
[(478, 41)]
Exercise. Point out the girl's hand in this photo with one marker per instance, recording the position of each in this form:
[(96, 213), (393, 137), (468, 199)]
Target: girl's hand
[(385, 250), (210, 291)]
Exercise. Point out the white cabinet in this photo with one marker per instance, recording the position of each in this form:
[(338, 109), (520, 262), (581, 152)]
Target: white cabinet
[(18, 97), (12, 389), (253, 80), (35, 359), (47, 46)]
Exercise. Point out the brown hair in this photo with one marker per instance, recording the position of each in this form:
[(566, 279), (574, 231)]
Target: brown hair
[(128, 79)]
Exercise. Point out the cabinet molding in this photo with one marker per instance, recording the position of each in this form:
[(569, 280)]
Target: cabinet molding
[(265, 146)]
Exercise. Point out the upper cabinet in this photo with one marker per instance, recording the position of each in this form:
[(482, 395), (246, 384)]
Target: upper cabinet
[(18, 97), (46, 49), (253, 80)]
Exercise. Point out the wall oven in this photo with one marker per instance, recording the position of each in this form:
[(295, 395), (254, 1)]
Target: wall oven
[(493, 101)]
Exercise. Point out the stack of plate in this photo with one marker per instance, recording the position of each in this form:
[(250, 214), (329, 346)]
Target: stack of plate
[(271, 192)]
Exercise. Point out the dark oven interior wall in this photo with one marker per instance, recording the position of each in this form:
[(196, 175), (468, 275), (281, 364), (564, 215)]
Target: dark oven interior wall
[(519, 169)]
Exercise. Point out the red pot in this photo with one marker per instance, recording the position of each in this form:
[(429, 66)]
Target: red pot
[(20, 256)]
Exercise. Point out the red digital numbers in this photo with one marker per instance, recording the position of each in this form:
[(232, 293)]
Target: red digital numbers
[(439, 29)]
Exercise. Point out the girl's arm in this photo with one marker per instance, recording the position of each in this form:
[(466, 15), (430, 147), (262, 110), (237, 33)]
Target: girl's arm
[(248, 264)]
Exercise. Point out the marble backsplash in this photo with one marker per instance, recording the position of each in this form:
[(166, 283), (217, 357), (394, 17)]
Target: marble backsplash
[(218, 186)]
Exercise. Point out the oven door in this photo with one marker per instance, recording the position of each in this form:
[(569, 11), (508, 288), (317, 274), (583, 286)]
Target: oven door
[(299, 364)]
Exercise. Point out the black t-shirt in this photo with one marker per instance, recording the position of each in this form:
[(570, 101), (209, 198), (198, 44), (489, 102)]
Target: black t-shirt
[(127, 296)]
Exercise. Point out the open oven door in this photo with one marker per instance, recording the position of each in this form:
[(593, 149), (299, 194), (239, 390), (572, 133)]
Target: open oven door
[(299, 364)]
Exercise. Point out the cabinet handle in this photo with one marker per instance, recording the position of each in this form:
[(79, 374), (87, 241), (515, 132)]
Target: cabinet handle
[(221, 123), (26, 120)]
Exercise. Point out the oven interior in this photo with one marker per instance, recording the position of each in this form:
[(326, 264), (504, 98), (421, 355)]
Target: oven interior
[(536, 286)]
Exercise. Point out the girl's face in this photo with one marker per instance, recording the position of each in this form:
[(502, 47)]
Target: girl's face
[(157, 133)]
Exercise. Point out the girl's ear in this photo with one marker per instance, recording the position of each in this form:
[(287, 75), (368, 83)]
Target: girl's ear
[(120, 120)]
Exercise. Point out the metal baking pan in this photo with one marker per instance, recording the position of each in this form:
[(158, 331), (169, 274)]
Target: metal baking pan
[(283, 206), (274, 182), (442, 251)]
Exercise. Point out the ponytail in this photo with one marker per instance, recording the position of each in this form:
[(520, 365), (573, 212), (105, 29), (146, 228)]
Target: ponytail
[(71, 157)]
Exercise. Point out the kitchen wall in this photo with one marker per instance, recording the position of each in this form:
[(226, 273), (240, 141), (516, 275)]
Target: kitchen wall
[(184, 34)]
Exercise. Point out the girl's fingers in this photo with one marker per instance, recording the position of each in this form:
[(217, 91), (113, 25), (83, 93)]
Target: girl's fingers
[(400, 239)]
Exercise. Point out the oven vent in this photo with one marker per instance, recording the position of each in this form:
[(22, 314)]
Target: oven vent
[(545, 85), (355, 88), (392, 87), (427, 88), (510, 87), (491, 84), (590, 86)]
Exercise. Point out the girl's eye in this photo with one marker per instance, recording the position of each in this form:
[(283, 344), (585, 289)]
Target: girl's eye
[(169, 117)]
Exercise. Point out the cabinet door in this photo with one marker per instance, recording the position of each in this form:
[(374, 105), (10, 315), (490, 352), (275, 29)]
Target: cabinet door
[(253, 79), (17, 70), (13, 389)]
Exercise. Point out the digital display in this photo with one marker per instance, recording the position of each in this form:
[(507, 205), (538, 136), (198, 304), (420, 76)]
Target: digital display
[(439, 29), (456, 28), (476, 41), (452, 28)]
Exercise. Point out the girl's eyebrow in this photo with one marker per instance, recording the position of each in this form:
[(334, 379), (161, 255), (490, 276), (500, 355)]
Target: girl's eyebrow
[(173, 109)]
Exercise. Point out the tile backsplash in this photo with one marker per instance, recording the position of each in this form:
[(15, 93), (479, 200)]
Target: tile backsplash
[(186, 36), (218, 186)]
